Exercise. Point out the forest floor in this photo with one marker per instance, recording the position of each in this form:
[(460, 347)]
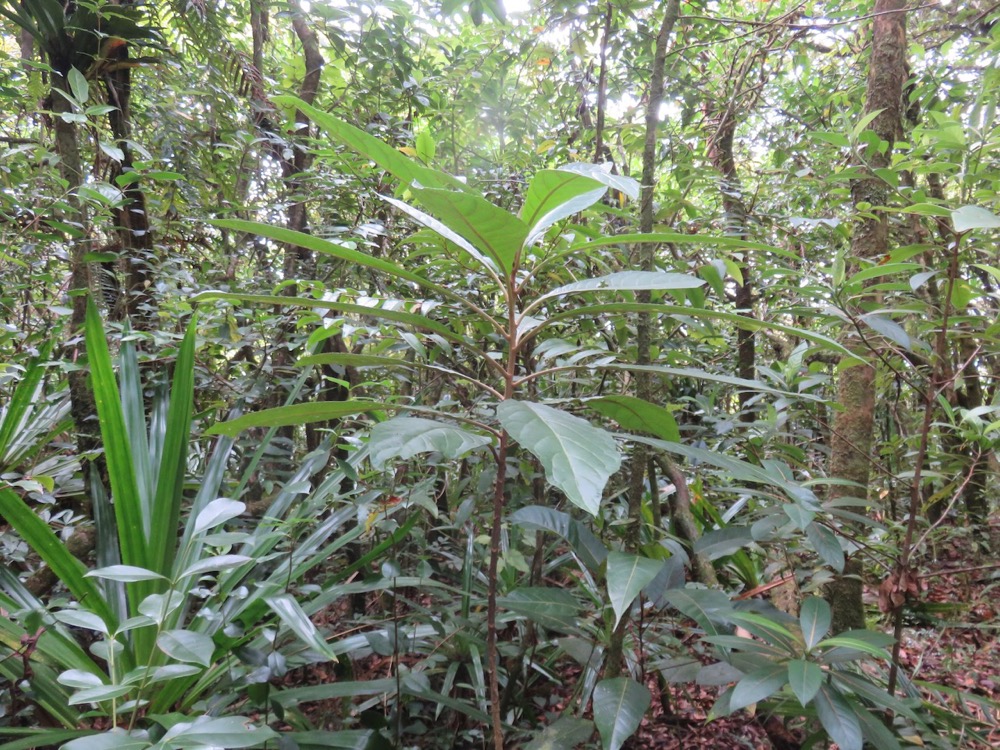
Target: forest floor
[(950, 649)]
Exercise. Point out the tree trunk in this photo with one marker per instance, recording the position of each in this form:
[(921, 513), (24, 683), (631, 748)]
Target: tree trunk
[(851, 442)]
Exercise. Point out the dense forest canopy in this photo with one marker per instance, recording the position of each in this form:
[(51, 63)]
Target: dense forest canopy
[(499, 374)]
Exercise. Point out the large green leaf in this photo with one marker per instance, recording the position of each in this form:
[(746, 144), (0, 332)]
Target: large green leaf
[(555, 194), (827, 545), (405, 437), (293, 414), (489, 228), (551, 608), (758, 685), (707, 607), (230, 732), (388, 158), (619, 705), (565, 733), (838, 718), (624, 281), (602, 174), (805, 678), (581, 539), (116, 739), (967, 218), (815, 617), (578, 458), (636, 414), (627, 576)]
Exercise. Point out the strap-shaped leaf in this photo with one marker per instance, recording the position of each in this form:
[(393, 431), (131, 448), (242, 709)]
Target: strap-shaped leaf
[(43, 541), (578, 458), (293, 414), (385, 156)]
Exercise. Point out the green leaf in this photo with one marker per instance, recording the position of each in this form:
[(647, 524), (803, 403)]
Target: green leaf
[(636, 414), (352, 360), (79, 86), (804, 678), (602, 174), (628, 281), (827, 545), (705, 606), (293, 414), (758, 685), (425, 146), (39, 536), (217, 513), (855, 641), (187, 646), (116, 739), (230, 732), (814, 616), (627, 576), (565, 733), (388, 158), (581, 539), (316, 244), (125, 574), (551, 608), (215, 563), (99, 694), (489, 228), (553, 195), (292, 614), (406, 437), (578, 458), (967, 218), (128, 507), (838, 718), (619, 705), (722, 542)]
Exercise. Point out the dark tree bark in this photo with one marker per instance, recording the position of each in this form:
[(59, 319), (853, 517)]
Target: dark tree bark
[(851, 441)]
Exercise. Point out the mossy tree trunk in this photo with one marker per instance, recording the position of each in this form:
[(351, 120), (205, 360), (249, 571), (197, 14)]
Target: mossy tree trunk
[(851, 442)]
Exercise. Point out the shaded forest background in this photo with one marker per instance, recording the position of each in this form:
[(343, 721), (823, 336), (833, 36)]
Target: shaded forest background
[(457, 375)]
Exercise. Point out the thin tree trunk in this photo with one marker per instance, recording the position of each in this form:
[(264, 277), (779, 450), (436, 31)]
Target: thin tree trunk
[(851, 442), (646, 262)]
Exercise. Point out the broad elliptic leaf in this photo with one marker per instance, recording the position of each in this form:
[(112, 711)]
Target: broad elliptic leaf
[(406, 437), (578, 458), (554, 194), (217, 512), (827, 545), (551, 608), (581, 539), (619, 705), (967, 218), (602, 174), (838, 718), (624, 281), (758, 685), (707, 607), (637, 415), (814, 616), (230, 732), (627, 576), (187, 646), (116, 739), (125, 574), (804, 678), (565, 733)]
